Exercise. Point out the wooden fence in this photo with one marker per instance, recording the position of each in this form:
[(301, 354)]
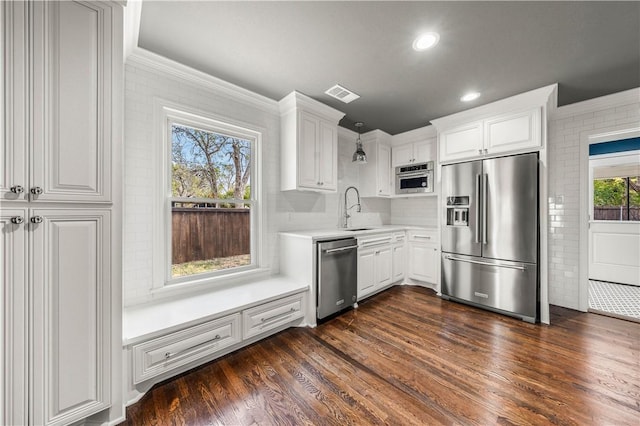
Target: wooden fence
[(202, 233), (616, 213)]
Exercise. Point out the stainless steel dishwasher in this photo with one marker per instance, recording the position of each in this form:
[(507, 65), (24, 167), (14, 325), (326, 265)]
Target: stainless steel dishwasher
[(337, 276)]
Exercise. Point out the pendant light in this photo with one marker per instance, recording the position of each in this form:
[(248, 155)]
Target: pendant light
[(359, 156)]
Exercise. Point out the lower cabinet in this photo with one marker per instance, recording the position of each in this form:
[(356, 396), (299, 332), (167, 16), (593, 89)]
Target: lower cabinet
[(57, 291), (399, 254), (169, 352), (271, 315), (176, 351), (375, 264), (423, 256)]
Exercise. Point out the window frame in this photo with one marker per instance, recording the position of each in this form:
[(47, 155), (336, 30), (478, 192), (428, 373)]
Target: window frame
[(167, 116), (611, 159)]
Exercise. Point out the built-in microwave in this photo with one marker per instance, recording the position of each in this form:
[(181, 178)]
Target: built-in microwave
[(414, 178)]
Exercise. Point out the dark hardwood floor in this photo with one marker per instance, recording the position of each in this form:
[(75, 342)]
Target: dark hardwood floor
[(406, 357)]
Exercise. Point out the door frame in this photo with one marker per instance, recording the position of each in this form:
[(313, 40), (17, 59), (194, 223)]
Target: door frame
[(589, 137)]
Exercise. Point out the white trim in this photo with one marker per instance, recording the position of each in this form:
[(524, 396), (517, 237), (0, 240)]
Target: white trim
[(163, 285), (132, 15), (587, 137), (151, 61), (521, 102), (626, 97)]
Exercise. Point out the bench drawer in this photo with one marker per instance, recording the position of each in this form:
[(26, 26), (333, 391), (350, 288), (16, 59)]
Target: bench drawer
[(271, 315), (174, 350)]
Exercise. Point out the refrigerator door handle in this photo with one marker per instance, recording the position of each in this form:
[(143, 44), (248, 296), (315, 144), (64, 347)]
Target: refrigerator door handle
[(485, 184), (478, 207), (477, 262)]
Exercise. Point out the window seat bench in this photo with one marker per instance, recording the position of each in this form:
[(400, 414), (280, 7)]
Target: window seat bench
[(168, 337)]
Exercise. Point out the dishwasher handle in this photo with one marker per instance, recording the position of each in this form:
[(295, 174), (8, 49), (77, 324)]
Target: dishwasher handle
[(335, 250)]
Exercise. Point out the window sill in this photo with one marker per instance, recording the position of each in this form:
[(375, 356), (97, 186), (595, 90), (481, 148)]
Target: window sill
[(204, 285)]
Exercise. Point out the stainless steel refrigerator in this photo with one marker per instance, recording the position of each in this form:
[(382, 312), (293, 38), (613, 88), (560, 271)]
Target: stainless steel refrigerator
[(490, 234)]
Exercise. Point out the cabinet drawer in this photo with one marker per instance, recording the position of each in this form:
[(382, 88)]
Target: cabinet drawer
[(271, 315), (423, 236), (166, 353)]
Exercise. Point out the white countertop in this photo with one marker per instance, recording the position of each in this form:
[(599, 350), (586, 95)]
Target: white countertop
[(326, 234)]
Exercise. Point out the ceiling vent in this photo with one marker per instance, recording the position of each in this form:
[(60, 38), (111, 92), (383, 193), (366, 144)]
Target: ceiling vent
[(342, 94)]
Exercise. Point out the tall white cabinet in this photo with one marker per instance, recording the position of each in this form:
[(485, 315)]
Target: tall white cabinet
[(59, 186)]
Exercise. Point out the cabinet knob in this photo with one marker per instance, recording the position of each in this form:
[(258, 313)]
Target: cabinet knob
[(17, 189), (36, 219), (36, 190), (167, 355), (486, 151), (17, 220), (480, 151)]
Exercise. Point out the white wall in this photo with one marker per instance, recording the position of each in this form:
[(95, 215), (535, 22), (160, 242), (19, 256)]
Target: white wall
[(569, 129), (146, 81), (147, 78)]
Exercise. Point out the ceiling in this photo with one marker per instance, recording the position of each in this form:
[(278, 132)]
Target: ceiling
[(497, 48)]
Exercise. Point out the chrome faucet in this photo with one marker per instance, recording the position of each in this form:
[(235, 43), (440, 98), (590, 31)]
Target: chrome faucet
[(345, 222)]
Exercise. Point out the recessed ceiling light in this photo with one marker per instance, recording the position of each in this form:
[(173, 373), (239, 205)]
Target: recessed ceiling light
[(426, 41), (471, 96)]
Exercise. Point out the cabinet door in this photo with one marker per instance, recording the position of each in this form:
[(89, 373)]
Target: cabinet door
[(366, 273), (398, 262), (70, 344), (422, 151), (14, 95), (71, 101), (384, 171), (384, 267), (308, 155), (461, 142), (13, 332), (514, 132), (402, 155), (422, 261), (328, 156)]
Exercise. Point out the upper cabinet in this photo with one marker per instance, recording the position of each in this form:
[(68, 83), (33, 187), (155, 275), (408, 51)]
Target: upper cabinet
[(411, 153), (309, 144), (58, 102), (510, 125), (375, 178)]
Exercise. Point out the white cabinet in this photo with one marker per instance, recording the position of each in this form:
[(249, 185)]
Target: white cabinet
[(309, 144), (167, 353), (270, 316), (61, 119), (461, 142), (423, 256), (375, 264), (70, 344), (512, 132), (505, 133), (13, 332), (417, 152), (375, 178), (399, 251), (59, 145)]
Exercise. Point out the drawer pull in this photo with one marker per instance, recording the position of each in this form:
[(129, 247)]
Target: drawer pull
[(167, 355), (267, 321), (423, 236), (217, 337)]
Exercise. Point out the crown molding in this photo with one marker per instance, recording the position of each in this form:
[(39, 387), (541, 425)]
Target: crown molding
[(296, 100), (544, 96), (626, 97), (151, 61)]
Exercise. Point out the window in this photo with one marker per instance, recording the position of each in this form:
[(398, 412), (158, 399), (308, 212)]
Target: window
[(615, 187), (211, 201), (616, 198)]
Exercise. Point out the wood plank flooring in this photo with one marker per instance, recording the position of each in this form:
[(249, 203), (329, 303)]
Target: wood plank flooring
[(406, 357)]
